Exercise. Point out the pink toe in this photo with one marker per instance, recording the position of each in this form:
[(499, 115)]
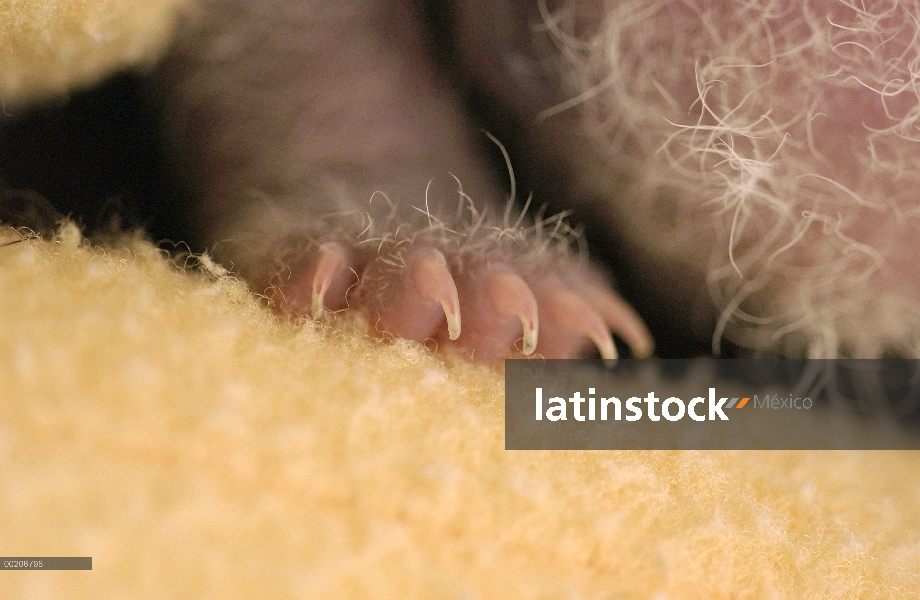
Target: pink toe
[(499, 310), (427, 298), (331, 278), (570, 325), (321, 283)]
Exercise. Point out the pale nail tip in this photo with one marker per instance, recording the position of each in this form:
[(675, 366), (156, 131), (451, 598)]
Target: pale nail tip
[(317, 307), (453, 325), (316, 302), (530, 335), (644, 351), (642, 346), (530, 341), (608, 350)]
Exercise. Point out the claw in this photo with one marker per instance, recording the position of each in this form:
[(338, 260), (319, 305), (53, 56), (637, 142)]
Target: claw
[(622, 319), (432, 279), (511, 295), (330, 262), (568, 310)]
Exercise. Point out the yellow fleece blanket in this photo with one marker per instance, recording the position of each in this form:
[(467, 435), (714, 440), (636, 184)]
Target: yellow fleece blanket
[(160, 420)]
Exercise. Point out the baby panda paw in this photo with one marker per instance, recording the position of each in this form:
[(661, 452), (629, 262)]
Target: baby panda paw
[(487, 292)]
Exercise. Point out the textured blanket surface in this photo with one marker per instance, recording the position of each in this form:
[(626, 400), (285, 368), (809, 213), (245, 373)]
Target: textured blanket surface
[(160, 420), (53, 46)]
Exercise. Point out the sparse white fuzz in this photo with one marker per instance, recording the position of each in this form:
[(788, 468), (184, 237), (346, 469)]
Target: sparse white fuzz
[(781, 142)]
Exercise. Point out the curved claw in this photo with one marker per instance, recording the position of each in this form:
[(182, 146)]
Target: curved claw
[(432, 280), (331, 260), (569, 311), (622, 319), (510, 295)]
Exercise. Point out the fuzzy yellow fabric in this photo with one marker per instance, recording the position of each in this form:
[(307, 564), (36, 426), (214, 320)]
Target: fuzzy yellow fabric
[(163, 422), (53, 46)]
